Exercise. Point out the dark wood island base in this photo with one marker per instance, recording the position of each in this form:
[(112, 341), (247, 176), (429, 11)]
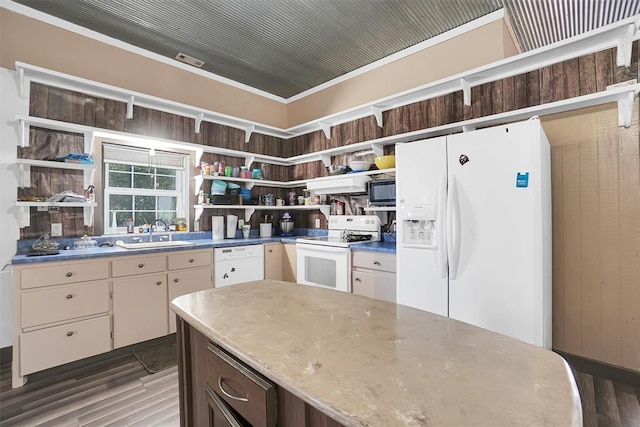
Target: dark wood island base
[(218, 390)]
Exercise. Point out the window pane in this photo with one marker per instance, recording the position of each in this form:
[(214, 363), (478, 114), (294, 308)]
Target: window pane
[(140, 218), (169, 172), (143, 181), (119, 202), (121, 217), (146, 203), (166, 183), (167, 203), (168, 217), (119, 167), (143, 169), (119, 179)]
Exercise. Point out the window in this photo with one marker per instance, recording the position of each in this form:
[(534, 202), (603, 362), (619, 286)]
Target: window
[(142, 186)]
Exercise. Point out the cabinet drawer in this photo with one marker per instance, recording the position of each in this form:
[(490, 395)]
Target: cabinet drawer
[(374, 260), (53, 305), (253, 397), (373, 284), (129, 266), (55, 346), (62, 274), (190, 259)]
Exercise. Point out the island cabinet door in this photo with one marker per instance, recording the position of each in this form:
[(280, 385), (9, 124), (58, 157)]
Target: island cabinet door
[(249, 396)]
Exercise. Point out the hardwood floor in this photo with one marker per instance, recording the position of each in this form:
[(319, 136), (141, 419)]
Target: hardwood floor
[(116, 390), (98, 391)]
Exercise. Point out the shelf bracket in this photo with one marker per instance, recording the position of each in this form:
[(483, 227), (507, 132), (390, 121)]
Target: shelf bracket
[(199, 119), (325, 209), (89, 138), (378, 150), (24, 216), (198, 152), (326, 128), (247, 133), (130, 108), (22, 89), (247, 214), (326, 159), (198, 212), (466, 91), (88, 215), (23, 133), (197, 184), (624, 46), (248, 160), (88, 177), (377, 112), (24, 175), (468, 128), (625, 109), (249, 185)]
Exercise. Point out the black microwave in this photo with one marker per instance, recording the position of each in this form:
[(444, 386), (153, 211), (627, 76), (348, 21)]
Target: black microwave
[(382, 192)]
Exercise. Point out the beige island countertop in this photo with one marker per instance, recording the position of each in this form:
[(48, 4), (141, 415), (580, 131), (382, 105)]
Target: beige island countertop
[(367, 362)]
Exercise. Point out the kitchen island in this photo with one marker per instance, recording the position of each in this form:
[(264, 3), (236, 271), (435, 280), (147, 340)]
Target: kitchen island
[(331, 357)]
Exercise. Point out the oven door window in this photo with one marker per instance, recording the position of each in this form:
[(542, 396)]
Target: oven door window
[(323, 266), (321, 271)]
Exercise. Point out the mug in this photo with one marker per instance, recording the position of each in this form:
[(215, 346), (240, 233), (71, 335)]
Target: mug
[(279, 202)]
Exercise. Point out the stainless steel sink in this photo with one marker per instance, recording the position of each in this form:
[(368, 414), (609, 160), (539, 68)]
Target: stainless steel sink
[(151, 245)]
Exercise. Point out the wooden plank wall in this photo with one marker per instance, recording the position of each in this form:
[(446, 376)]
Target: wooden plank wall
[(595, 179)]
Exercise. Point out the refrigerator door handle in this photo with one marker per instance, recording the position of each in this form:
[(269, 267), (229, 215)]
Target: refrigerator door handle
[(441, 227), (453, 228)]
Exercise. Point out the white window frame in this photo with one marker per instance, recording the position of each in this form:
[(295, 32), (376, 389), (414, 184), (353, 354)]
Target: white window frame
[(181, 191)]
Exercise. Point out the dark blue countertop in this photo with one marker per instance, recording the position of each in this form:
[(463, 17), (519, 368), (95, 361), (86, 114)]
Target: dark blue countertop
[(199, 242)]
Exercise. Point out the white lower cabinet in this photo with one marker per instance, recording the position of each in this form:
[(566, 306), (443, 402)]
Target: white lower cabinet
[(373, 275), (70, 310), (139, 309), (185, 282)]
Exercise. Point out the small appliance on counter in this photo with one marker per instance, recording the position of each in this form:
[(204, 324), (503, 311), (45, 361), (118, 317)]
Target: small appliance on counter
[(286, 225)]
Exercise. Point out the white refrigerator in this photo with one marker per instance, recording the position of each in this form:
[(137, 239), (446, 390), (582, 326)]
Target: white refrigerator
[(474, 229)]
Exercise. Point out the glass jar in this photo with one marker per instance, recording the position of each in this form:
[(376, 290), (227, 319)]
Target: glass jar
[(181, 224)]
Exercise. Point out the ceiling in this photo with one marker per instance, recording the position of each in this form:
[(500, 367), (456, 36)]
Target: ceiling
[(285, 47)]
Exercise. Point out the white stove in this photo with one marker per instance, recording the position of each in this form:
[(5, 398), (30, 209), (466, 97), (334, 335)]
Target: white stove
[(326, 261), (347, 230)]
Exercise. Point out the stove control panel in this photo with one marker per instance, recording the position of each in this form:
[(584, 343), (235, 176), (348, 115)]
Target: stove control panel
[(354, 222)]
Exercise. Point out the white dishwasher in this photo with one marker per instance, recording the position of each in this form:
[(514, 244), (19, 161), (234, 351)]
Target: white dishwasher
[(237, 264)]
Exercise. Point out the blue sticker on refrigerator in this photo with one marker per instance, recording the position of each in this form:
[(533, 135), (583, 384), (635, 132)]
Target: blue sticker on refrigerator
[(522, 180)]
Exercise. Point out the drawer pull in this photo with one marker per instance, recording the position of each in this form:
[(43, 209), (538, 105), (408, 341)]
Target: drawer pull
[(175, 280), (140, 265), (69, 296), (376, 262), (158, 283), (230, 396), (69, 333), (191, 260), (357, 279), (69, 274)]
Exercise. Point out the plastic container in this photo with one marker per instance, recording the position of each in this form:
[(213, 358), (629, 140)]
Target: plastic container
[(85, 243)]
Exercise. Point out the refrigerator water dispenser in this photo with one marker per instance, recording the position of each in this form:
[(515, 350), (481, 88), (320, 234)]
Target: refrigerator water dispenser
[(419, 225)]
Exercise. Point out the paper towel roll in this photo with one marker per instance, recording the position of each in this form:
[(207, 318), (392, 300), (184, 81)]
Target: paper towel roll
[(217, 227)]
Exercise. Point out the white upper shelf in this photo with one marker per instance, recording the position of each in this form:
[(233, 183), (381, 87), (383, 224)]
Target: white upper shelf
[(622, 95), (620, 34)]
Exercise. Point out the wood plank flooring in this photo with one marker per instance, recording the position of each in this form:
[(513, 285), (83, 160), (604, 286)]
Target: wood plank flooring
[(115, 390)]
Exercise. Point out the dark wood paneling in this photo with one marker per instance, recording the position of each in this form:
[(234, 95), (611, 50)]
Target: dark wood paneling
[(580, 76)]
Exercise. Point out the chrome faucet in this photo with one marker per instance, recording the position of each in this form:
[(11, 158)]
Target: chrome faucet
[(166, 227)]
